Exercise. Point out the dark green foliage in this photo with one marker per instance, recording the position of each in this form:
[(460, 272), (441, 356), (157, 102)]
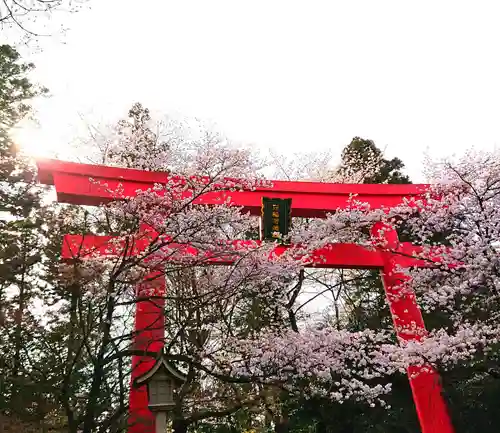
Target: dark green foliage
[(319, 415), (362, 155), (23, 389), (15, 93)]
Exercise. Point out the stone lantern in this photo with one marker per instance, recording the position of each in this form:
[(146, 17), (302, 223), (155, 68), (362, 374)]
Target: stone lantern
[(162, 380)]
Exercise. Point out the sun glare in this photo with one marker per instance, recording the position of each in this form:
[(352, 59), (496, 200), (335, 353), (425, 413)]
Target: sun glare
[(38, 143)]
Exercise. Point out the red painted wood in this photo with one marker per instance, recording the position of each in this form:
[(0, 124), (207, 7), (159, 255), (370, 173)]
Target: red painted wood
[(149, 336), (409, 325), (349, 256), (309, 199)]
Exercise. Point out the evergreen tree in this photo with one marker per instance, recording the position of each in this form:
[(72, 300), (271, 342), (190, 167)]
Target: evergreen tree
[(362, 296), (363, 156), (21, 238)]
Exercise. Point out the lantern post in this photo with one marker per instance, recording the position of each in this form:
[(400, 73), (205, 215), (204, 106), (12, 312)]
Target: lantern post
[(162, 381)]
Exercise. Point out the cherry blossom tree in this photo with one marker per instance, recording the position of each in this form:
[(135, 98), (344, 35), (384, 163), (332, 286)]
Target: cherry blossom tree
[(30, 17), (460, 213), (204, 305)]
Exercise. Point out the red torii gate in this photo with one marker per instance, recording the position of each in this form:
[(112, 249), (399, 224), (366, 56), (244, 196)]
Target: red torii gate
[(309, 199)]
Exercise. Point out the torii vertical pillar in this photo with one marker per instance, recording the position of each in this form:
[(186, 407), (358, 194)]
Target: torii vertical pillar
[(425, 382), (148, 337)]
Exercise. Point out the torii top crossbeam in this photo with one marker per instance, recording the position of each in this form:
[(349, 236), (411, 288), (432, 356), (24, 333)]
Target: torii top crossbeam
[(309, 199)]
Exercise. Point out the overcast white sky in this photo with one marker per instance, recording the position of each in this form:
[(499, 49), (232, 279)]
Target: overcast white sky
[(295, 76)]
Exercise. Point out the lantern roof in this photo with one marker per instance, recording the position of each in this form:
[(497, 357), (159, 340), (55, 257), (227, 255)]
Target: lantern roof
[(162, 364)]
